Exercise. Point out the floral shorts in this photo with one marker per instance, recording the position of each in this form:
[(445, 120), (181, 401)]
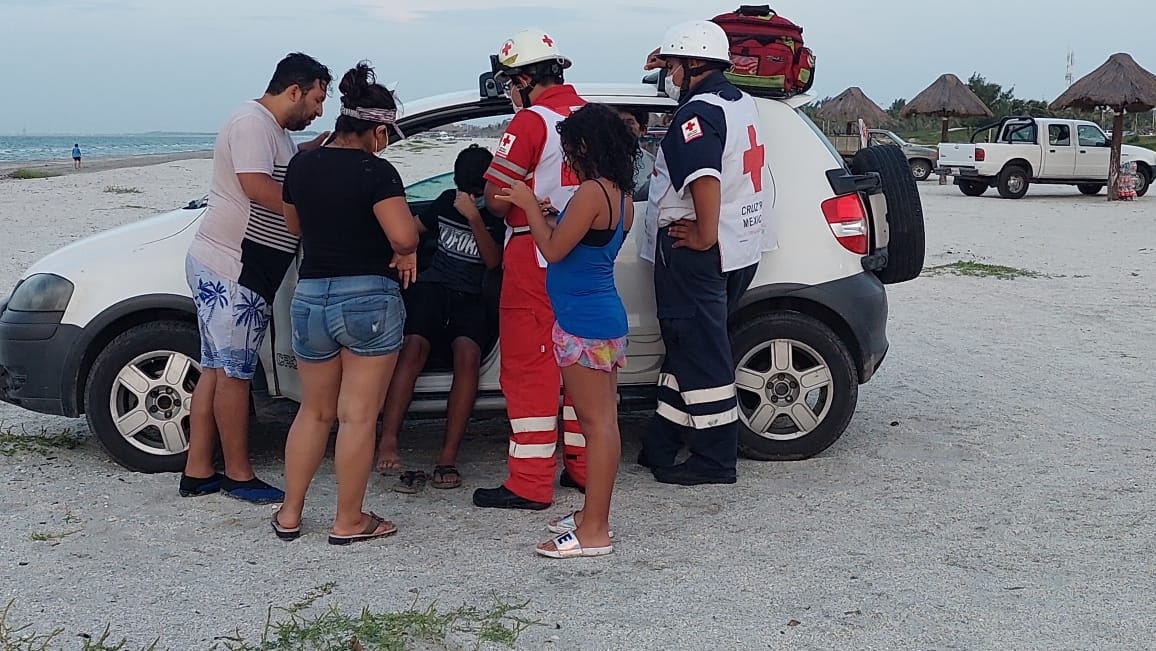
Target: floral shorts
[(597, 354)]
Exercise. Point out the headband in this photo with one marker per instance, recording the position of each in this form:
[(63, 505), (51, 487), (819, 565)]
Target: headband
[(379, 115)]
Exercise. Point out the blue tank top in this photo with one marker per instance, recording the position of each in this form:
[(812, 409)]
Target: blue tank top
[(581, 287)]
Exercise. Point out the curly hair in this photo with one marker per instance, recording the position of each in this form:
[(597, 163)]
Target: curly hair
[(598, 144), (359, 89)]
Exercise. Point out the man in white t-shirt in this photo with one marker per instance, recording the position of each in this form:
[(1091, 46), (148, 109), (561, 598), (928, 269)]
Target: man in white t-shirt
[(234, 266)]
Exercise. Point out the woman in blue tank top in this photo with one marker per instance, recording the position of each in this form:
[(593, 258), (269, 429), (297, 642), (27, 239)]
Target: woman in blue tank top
[(590, 321)]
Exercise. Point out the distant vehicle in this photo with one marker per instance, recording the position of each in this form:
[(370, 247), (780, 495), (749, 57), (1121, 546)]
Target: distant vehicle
[(1029, 150), (920, 158)]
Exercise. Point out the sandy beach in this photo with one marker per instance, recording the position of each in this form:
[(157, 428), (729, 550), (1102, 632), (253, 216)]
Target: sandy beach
[(63, 166), (993, 490)]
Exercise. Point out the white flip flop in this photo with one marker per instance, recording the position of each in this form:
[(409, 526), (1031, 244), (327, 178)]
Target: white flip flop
[(566, 524), (567, 546)]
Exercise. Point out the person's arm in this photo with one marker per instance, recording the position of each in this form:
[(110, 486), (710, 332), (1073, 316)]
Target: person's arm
[(252, 152), (694, 159), (557, 242), (517, 153), (489, 250), (292, 222), (288, 210), (262, 190)]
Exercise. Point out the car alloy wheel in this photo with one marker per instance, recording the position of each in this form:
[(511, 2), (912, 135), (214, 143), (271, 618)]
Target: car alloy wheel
[(784, 389), (151, 401)]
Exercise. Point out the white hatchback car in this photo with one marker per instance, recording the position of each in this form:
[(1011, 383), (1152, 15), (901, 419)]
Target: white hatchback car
[(106, 328)]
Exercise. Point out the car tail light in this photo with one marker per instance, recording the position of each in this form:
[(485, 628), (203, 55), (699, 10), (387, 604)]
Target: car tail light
[(980, 155), (848, 221)]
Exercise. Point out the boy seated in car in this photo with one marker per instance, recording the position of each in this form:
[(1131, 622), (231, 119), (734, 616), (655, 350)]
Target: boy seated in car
[(445, 306)]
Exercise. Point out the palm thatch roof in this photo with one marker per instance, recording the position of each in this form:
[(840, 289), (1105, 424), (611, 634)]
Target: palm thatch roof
[(1120, 84), (947, 97), (851, 105)]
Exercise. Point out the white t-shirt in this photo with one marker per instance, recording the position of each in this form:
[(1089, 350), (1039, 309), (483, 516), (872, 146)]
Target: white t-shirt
[(239, 239)]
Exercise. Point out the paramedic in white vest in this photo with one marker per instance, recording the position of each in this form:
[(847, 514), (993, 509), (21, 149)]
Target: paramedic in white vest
[(705, 231), (530, 67)]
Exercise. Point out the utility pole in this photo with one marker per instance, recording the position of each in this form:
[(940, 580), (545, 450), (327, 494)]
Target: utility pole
[(1070, 76)]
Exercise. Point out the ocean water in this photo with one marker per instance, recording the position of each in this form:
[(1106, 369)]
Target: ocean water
[(59, 147)]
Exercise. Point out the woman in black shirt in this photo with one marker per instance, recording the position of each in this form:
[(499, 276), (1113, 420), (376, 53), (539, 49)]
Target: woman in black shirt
[(359, 241)]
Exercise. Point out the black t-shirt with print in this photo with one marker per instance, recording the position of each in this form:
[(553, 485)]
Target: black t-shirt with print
[(458, 263), (334, 190)]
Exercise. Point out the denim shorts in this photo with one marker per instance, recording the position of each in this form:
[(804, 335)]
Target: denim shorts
[(364, 314)]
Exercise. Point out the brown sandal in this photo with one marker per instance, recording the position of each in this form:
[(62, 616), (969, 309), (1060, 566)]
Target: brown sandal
[(446, 477), (369, 533), (410, 481)]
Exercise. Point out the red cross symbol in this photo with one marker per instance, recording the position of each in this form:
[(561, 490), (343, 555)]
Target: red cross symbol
[(547, 41), (506, 140), (506, 49), (753, 159)]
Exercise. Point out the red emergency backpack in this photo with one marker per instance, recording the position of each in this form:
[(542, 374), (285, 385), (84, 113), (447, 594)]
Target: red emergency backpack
[(767, 51)]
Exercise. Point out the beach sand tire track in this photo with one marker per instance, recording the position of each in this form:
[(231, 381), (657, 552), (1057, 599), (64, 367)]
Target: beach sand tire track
[(144, 379)]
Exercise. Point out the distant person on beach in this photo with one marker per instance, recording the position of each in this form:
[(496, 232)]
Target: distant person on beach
[(234, 266), (445, 309), (360, 250), (76, 156)]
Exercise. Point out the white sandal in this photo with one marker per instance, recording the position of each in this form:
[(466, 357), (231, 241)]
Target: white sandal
[(567, 546), (566, 524)]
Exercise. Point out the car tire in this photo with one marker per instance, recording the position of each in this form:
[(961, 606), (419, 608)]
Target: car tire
[(139, 393), (1090, 189), (1013, 182), (1144, 180), (973, 188), (807, 415), (920, 169), (906, 246)]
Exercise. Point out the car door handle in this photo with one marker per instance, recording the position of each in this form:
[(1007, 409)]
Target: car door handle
[(1052, 151), (1083, 151)]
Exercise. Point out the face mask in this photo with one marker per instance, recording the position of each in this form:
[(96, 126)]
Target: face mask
[(672, 91)]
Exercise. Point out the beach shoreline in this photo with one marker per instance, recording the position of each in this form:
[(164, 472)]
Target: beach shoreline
[(65, 166)]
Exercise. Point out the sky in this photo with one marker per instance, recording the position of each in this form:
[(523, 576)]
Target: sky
[(133, 66)]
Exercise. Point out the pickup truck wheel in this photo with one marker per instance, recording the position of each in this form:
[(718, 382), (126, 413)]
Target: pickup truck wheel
[(973, 188), (920, 169), (1143, 180), (139, 392), (1013, 182), (1090, 189), (906, 247), (797, 386)]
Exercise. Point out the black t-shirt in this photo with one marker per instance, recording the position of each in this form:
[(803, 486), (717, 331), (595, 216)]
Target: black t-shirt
[(334, 190), (458, 263)]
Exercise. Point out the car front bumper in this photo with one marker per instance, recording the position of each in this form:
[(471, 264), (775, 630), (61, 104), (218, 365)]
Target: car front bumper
[(33, 361)]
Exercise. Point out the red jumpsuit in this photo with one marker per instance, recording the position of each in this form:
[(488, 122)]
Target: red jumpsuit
[(531, 151)]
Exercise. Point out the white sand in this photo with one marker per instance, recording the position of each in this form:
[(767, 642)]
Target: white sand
[(993, 491)]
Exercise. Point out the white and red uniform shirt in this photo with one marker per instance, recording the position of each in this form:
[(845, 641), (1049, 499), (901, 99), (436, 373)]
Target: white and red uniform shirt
[(531, 151)]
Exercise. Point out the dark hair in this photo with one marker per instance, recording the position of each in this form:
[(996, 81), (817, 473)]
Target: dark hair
[(598, 143), (470, 168), (544, 72), (298, 69), (359, 89)]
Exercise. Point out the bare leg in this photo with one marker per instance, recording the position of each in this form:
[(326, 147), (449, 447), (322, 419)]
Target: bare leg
[(202, 427), (309, 434), (593, 394), (364, 385), (411, 361), (231, 411), (463, 392)]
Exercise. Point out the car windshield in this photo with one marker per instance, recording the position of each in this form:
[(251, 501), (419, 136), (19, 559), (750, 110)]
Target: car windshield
[(429, 189)]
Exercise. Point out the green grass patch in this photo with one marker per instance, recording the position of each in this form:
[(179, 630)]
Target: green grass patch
[(118, 189), (329, 630), (981, 270), (25, 173), (14, 442)]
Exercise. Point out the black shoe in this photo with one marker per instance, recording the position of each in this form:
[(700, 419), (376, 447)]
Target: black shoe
[(199, 486), (569, 482), (684, 476), (502, 498)]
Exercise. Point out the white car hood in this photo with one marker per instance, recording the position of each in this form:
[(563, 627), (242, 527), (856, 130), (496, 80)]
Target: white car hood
[(105, 249)]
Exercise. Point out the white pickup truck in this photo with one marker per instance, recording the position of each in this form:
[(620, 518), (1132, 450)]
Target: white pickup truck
[(1029, 150)]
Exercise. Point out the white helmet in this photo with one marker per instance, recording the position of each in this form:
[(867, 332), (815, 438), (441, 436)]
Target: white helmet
[(530, 46), (700, 39)]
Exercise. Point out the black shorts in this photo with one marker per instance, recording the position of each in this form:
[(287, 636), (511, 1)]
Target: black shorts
[(441, 315)]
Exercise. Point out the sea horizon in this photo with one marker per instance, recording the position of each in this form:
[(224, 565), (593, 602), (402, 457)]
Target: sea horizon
[(51, 147)]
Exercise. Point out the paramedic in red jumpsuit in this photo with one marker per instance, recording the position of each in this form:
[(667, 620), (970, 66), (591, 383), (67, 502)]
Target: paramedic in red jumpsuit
[(530, 66)]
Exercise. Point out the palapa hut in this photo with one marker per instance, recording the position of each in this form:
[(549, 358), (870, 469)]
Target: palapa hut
[(947, 97), (851, 105), (1121, 85)]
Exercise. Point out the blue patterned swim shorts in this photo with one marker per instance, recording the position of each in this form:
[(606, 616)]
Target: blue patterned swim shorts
[(232, 320)]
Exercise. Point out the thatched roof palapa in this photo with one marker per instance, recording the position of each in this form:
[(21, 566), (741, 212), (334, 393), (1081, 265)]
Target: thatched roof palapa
[(851, 105), (947, 97), (1120, 84)]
